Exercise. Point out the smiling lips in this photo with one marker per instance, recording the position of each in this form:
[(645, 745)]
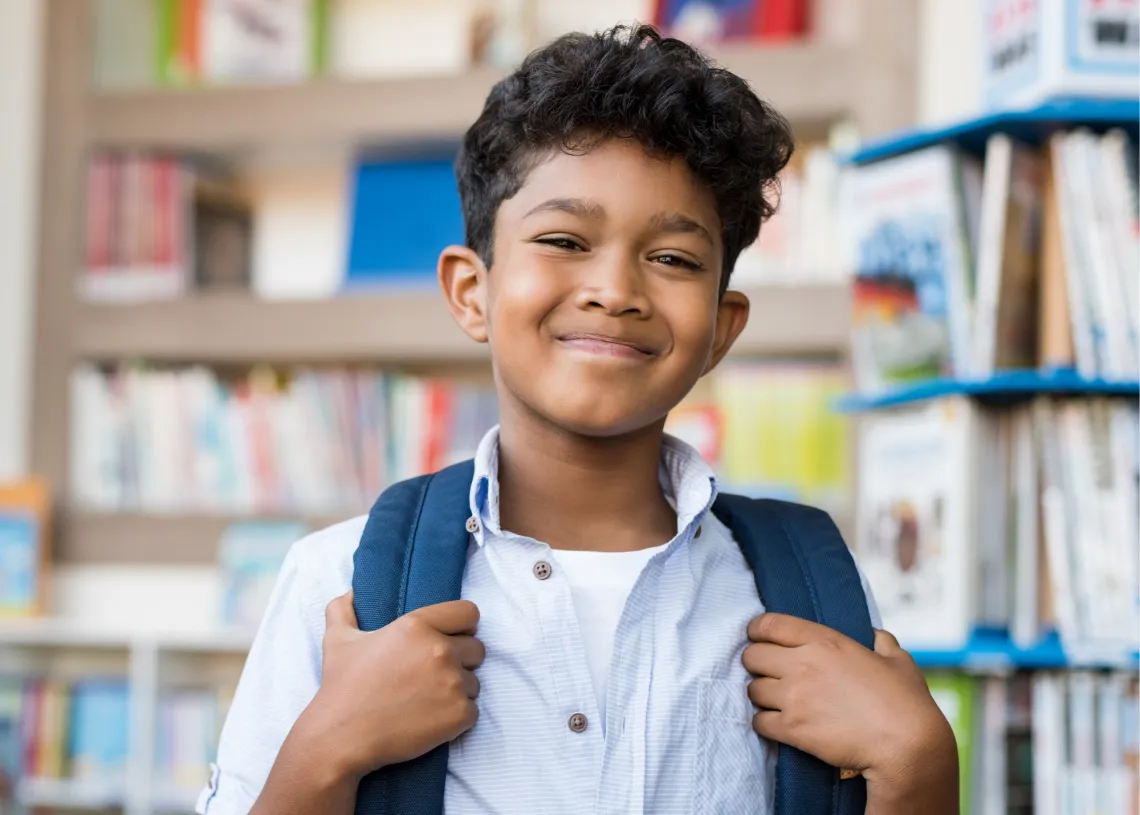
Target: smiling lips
[(603, 345)]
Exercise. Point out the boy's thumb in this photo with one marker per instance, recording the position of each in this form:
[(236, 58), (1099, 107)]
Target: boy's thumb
[(340, 613)]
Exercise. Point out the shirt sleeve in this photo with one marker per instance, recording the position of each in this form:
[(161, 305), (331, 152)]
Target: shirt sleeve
[(872, 606), (280, 678)]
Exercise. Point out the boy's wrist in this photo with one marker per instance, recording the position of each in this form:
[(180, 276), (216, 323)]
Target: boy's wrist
[(920, 772), (330, 755)]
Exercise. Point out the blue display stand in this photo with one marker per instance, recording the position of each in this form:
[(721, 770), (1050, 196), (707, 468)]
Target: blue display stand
[(1033, 125), (1002, 388), (990, 649)]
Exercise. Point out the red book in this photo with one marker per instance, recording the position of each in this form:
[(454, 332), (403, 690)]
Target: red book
[(437, 442), (782, 19)]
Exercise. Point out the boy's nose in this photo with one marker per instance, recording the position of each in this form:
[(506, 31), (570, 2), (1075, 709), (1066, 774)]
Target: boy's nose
[(615, 287)]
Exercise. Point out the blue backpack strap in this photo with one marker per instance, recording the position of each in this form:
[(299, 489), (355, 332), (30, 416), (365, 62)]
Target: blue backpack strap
[(412, 554), (804, 568)]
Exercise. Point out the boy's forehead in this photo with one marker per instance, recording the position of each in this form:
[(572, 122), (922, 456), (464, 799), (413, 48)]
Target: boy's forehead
[(615, 174)]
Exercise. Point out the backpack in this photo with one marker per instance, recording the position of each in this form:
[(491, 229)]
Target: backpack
[(414, 550)]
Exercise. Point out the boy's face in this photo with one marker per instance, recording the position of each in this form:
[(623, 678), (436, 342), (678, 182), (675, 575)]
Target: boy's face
[(603, 306)]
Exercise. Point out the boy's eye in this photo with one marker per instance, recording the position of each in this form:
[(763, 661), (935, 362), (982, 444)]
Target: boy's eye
[(676, 260), (562, 243)]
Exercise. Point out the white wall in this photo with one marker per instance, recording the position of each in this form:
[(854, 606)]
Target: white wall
[(20, 52), (182, 599)]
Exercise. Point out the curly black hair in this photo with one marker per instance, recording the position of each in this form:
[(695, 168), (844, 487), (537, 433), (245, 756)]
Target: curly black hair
[(627, 82)]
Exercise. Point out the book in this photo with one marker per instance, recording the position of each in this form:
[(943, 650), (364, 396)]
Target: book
[(250, 554), (403, 212), (710, 21), (273, 441), (957, 697), (1005, 324), (25, 511), (228, 41), (916, 520), (768, 429), (98, 729), (904, 236)]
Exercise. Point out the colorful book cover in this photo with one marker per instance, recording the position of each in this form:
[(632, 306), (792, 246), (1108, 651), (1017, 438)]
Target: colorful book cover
[(24, 512), (707, 20), (250, 555), (904, 237), (957, 697)]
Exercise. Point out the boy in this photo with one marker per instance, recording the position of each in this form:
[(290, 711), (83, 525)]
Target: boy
[(610, 653)]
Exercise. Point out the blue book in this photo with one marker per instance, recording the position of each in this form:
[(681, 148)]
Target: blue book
[(250, 555), (11, 758), (99, 715), (19, 563), (404, 211)]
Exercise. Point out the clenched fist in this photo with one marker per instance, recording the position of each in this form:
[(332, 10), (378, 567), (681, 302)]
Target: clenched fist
[(393, 694)]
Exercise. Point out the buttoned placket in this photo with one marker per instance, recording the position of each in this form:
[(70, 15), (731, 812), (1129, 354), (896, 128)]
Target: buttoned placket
[(527, 569)]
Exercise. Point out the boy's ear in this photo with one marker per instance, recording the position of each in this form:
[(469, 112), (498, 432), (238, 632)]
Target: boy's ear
[(462, 277), (731, 317)]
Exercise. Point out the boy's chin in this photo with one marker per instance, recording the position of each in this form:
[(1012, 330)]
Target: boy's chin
[(601, 423)]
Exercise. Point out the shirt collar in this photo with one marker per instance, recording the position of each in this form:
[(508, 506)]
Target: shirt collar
[(688, 482)]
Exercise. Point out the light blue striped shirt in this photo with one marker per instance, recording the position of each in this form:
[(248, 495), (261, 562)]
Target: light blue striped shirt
[(678, 735)]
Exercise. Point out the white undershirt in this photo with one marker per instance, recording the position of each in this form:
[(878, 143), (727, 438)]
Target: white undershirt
[(600, 583)]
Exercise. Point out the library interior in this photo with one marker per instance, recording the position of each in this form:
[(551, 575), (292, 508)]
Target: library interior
[(221, 330)]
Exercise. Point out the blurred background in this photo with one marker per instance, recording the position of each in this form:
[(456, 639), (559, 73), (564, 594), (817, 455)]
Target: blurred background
[(219, 329)]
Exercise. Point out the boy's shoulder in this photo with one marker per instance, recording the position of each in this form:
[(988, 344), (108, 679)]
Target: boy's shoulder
[(319, 566)]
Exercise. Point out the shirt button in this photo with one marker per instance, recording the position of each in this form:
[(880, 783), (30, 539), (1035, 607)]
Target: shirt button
[(472, 524), (542, 570), (578, 722)]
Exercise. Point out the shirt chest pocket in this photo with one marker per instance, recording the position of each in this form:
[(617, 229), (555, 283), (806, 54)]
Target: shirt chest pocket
[(735, 768)]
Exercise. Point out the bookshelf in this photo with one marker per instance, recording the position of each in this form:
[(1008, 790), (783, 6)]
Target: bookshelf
[(870, 81)]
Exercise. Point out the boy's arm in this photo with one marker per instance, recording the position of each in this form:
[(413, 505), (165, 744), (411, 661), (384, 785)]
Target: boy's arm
[(870, 711)]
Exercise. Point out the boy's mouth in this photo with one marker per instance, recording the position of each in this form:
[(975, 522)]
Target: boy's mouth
[(604, 345)]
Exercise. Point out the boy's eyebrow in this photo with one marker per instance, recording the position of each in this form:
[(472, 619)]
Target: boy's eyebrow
[(675, 222), (571, 206)]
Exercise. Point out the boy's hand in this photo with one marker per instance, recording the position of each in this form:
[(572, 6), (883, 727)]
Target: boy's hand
[(391, 695), (870, 711)]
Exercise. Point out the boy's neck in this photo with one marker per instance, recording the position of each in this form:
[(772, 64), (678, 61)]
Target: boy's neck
[(577, 492)]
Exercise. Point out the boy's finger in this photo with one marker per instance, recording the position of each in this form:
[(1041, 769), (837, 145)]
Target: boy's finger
[(886, 644), (340, 613), (470, 684), (767, 693), (771, 724), (469, 650), (766, 659), (455, 617), (784, 629)]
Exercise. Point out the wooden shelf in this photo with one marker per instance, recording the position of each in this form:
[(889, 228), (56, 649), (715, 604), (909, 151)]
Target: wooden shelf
[(157, 539), (393, 328), (810, 83), (438, 108)]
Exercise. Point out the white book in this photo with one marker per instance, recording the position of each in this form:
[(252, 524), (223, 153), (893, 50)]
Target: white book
[(1005, 303), (991, 796), (1025, 625), (1084, 329), (1082, 742), (1087, 553), (1056, 519), (257, 40), (1049, 778), (1114, 780), (1119, 209), (96, 466), (993, 441), (915, 534), (1110, 318)]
